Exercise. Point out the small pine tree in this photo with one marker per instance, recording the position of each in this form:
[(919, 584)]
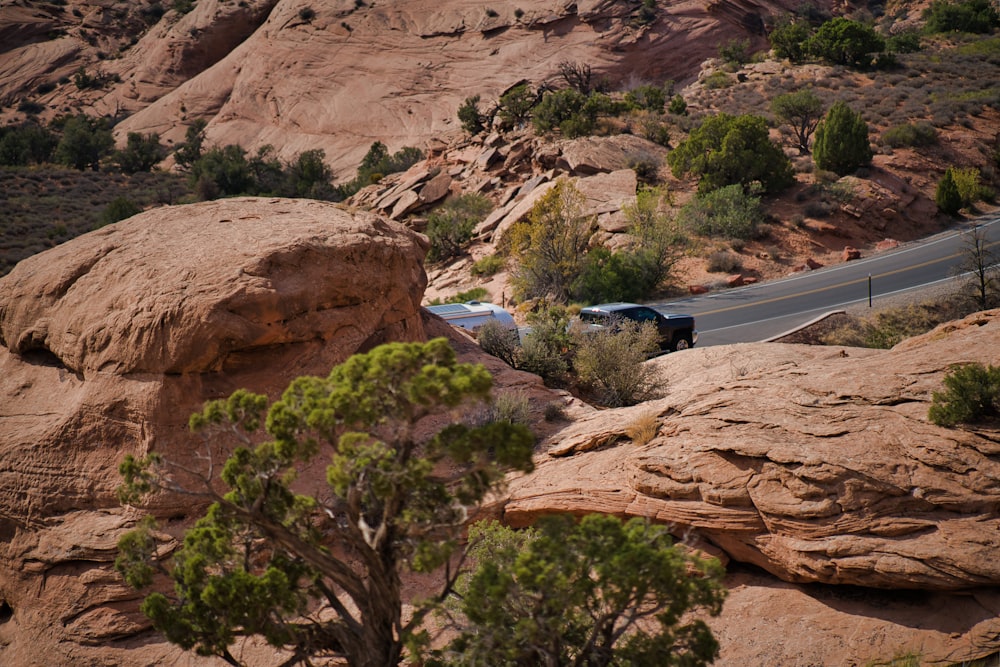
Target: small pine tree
[(469, 116), (947, 197), (972, 393), (842, 144)]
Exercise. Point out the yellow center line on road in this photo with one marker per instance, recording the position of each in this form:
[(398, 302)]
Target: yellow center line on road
[(828, 287)]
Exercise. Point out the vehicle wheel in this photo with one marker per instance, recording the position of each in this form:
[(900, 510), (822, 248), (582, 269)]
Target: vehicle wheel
[(681, 343)]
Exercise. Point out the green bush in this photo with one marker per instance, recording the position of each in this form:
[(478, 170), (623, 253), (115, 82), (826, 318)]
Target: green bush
[(970, 187), (947, 196), (501, 341), (546, 350), (27, 143), (789, 39), (85, 141), (450, 226), (677, 106), (120, 208), (651, 98), (976, 16), (488, 266), (735, 51), (222, 171), (611, 362), (469, 116), (729, 212), (842, 144), (724, 150), (515, 106), (141, 153), (972, 394), (910, 134), (841, 41)]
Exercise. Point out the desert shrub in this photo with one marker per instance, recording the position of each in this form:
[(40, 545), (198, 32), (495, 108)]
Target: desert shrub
[(473, 294), (515, 106), (717, 80), (376, 163), (500, 341), (970, 188), (885, 328), (546, 350), (645, 14), (677, 105), (842, 144), (612, 276), (971, 394), (84, 142), (789, 39), (223, 171), (976, 16), (28, 143), (450, 226), (559, 106), (735, 51), (643, 428), (903, 42), (120, 208), (611, 362), (729, 212), (724, 261), (647, 169), (910, 134), (946, 196), (308, 175), (726, 149), (487, 266), (842, 41), (554, 411), (651, 98), (512, 407), (307, 14), (652, 127), (469, 116), (141, 153)]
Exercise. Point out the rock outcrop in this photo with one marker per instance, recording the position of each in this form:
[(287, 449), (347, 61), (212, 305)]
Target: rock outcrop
[(110, 341)]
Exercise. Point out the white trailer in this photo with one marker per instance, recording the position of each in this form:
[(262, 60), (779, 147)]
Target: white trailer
[(473, 314)]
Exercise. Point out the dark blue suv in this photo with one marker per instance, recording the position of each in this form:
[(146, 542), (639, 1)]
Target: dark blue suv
[(677, 332)]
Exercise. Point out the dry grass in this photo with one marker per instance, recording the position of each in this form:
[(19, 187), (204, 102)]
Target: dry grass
[(643, 428)]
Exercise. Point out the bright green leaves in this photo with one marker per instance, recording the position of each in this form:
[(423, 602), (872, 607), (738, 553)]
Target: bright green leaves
[(600, 592), (264, 553)]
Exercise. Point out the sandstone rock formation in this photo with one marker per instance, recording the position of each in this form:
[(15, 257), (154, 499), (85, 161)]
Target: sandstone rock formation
[(817, 464), (110, 341), (339, 75)]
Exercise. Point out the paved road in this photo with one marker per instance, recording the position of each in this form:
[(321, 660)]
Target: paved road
[(759, 312)]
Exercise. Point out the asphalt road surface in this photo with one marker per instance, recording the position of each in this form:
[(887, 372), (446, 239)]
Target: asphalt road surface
[(759, 312)]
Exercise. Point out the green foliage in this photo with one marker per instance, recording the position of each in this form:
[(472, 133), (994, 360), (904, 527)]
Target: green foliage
[(910, 134), (735, 51), (636, 271), (499, 340), (789, 39), (717, 80), (677, 106), (450, 226), (842, 141), (903, 42), (141, 153), (547, 349), (611, 362), (309, 176), (376, 163), (645, 14), (599, 592), (842, 41), (182, 6), (27, 143), (971, 394), (727, 149), (515, 106), (571, 112), (469, 116), (970, 187), (947, 196), (651, 98), (730, 212), (801, 110), (85, 81), (119, 209), (85, 141), (474, 294), (190, 151), (549, 247), (975, 16), (487, 266), (222, 171), (263, 554)]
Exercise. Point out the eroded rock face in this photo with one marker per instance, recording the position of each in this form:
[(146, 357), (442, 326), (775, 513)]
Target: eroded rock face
[(112, 340), (816, 463)]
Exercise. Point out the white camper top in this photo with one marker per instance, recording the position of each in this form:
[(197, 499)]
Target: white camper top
[(472, 314)]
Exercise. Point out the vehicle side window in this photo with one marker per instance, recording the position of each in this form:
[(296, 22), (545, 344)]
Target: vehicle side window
[(642, 314)]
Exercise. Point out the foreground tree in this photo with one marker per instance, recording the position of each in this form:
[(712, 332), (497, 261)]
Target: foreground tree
[(842, 141), (320, 576), (594, 594)]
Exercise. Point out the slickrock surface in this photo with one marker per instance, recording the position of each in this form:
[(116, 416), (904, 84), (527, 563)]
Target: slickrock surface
[(109, 342)]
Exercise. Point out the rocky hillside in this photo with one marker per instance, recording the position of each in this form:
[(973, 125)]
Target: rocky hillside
[(845, 517)]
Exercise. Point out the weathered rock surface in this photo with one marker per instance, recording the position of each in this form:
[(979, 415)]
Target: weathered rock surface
[(111, 341), (818, 464)]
